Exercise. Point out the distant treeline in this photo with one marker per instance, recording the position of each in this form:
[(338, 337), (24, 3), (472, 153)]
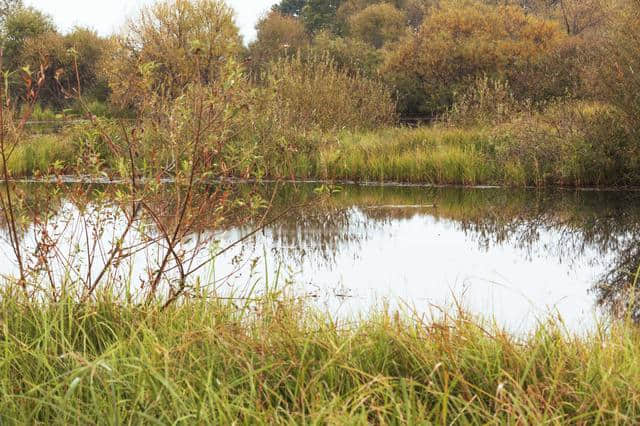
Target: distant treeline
[(428, 52)]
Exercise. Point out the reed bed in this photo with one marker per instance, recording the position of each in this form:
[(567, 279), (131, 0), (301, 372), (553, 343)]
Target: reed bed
[(43, 154), (421, 155)]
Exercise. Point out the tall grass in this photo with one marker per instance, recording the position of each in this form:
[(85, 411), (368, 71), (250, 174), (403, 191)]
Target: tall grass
[(565, 144), (43, 154), (279, 361), (423, 155)]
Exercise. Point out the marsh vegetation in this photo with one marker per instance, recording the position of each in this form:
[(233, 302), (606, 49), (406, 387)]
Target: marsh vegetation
[(156, 161)]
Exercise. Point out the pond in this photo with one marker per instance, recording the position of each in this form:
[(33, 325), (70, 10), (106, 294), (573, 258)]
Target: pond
[(513, 256), (510, 255)]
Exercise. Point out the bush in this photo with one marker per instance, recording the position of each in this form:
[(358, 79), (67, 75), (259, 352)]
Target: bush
[(378, 24), (348, 54), (486, 102), (172, 44), (619, 57), (315, 94), (304, 101), (570, 144)]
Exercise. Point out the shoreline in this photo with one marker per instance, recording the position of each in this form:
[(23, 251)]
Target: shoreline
[(70, 179)]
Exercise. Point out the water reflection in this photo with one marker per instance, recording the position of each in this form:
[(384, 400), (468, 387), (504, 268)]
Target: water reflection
[(503, 251), (581, 220), (578, 235)]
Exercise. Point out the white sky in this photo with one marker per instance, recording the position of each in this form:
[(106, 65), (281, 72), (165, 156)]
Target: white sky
[(107, 16)]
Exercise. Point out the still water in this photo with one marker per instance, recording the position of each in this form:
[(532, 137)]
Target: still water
[(513, 256)]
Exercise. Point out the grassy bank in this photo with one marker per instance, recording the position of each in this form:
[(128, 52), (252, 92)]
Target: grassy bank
[(278, 361), (517, 154)]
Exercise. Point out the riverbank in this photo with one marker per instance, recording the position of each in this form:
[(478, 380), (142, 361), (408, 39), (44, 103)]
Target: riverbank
[(513, 156), (275, 360)]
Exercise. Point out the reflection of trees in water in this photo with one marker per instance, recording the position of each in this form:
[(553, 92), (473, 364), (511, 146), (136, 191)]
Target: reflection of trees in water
[(577, 224), (615, 290), (574, 222), (607, 223), (319, 233), (579, 220)]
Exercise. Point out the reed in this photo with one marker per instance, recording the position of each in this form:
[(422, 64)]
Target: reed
[(570, 145), (423, 155)]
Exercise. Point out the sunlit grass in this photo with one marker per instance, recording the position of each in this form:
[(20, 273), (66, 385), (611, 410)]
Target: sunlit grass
[(422, 155)]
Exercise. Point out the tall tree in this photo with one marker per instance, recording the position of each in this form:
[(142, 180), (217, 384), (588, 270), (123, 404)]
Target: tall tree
[(7, 7), (290, 7), (19, 26), (317, 15)]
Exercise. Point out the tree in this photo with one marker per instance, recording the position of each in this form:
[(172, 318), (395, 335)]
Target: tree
[(413, 10), (459, 42), (46, 49), (7, 7), (88, 49), (290, 7), (416, 10), (581, 15), (81, 50), (320, 15), (278, 36), (171, 44), (378, 24), (18, 26)]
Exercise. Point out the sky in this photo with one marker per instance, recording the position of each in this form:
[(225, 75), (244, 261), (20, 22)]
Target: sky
[(107, 16)]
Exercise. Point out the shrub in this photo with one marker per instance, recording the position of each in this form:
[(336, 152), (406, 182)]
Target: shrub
[(172, 44), (302, 102), (619, 57), (486, 102), (315, 94), (348, 54), (378, 24), (570, 144)]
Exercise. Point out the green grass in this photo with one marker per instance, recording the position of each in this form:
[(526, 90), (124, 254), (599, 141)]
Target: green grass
[(529, 152), (422, 155), (279, 361), (42, 154)]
